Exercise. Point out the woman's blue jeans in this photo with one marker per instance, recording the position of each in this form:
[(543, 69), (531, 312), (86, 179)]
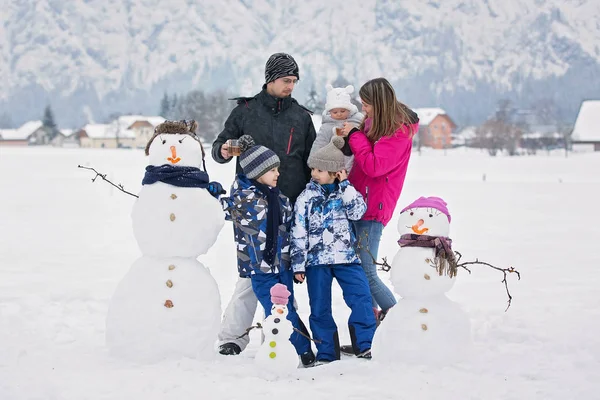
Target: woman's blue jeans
[(368, 236)]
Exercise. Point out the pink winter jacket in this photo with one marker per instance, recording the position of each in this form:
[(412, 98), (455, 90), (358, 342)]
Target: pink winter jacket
[(379, 170)]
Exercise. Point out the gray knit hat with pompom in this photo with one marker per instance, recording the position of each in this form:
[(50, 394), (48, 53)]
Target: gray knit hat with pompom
[(330, 157), (256, 160)]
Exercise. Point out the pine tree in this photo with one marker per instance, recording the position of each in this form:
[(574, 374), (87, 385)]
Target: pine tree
[(340, 81), (48, 122), (5, 121), (313, 102), (165, 107), (176, 107)]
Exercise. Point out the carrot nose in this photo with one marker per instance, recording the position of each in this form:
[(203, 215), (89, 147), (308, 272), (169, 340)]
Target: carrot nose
[(280, 311), (417, 227), (174, 153)]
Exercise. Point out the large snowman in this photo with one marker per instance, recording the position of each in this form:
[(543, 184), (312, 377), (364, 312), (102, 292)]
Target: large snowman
[(425, 327), (277, 356), (168, 303)]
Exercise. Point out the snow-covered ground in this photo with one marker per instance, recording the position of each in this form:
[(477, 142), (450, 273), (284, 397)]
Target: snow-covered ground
[(66, 243)]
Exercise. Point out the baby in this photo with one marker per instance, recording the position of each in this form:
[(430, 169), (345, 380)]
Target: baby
[(338, 109)]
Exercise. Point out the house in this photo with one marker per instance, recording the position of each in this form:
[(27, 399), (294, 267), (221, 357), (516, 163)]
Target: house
[(538, 130), (587, 125), (435, 128), (465, 137), (105, 136), (29, 134), (141, 126), (65, 138), (129, 131)]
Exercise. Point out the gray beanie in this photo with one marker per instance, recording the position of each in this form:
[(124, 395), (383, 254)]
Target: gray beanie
[(330, 157), (256, 160)]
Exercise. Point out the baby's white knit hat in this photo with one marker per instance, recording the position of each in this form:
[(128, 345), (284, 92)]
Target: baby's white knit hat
[(340, 98)]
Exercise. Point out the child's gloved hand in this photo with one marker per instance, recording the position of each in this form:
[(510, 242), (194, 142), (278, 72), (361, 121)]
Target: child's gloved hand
[(215, 189), (299, 277)]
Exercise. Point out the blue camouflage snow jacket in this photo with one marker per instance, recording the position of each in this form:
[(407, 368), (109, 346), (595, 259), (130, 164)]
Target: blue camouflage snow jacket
[(322, 233), (246, 206)]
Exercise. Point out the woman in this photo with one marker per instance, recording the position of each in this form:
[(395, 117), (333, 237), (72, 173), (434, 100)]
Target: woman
[(382, 147)]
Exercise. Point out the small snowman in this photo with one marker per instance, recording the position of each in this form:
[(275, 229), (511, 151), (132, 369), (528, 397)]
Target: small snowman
[(425, 327), (277, 355), (168, 303)]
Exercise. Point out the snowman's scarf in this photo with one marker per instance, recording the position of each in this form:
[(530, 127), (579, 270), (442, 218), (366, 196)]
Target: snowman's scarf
[(176, 176), (445, 262)]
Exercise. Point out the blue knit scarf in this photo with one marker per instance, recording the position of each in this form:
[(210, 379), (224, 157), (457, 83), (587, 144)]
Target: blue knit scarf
[(273, 220), (176, 176)]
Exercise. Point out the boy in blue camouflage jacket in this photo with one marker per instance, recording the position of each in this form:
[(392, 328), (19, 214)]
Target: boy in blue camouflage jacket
[(323, 247), (261, 216)]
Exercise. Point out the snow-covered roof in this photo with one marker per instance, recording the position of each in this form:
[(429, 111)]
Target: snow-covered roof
[(426, 115), (587, 125), (8, 134), (66, 132), (106, 131), (23, 132), (127, 120)]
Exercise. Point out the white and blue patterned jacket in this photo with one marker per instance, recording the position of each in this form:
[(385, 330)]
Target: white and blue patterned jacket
[(322, 233)]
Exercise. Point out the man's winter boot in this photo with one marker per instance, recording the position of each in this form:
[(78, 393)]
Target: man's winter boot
[(229, 349)]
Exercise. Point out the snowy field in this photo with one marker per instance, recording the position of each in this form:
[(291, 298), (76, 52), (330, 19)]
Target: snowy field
[(66, 243)]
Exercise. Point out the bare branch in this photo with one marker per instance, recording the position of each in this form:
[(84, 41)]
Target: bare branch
[(103, 176), (505, 271), (384, 265), (257, 326), (306, 336)]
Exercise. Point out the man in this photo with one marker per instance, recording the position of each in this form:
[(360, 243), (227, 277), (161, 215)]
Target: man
[(274, 120)]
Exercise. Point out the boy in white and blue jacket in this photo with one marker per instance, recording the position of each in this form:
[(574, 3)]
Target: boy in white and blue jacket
[(323, 247), (261, 216)]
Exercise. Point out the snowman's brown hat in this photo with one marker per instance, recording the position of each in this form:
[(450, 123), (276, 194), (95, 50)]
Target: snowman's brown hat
[(184, 127)]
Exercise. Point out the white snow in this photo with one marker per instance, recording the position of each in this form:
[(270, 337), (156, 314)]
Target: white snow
[(587, 125), (66, 243)]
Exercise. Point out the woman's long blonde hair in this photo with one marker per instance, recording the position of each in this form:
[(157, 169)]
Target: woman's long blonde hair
[(388, 113)]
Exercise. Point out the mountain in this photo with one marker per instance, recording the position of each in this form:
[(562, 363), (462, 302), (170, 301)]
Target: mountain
[(91, 58)]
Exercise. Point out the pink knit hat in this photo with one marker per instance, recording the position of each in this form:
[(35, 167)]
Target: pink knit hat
[(279, 294), (429, 202)]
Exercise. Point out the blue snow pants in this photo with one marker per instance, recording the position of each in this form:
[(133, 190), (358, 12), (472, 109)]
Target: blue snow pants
[(355, 289), (262, 284)]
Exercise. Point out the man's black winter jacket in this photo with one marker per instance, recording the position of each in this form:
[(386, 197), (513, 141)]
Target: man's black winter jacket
[(281, 125)]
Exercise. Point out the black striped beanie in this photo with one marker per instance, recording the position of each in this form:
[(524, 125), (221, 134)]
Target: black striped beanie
[(280, 65), (256, 160)]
